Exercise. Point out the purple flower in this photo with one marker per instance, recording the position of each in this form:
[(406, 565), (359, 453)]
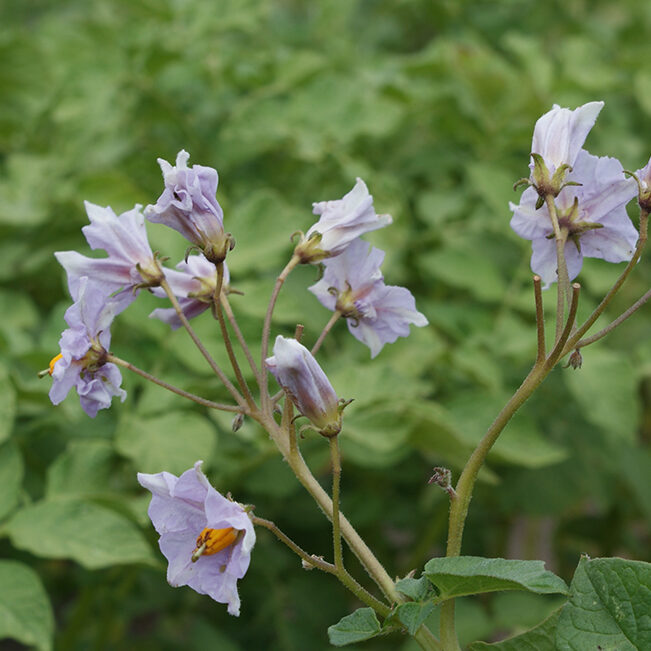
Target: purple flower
[(189, 205), (131, 263), (308, 387), (559, 134), (593, 214), (194, 285), (84, 346), (644, 176), (377, 314), (341, 221), (206, 538)]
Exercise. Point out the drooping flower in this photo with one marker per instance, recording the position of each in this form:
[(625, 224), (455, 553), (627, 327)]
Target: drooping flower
[(377, 314), (593, 214), (194, 285), (308, 387), (341, 221), (130, 264), (84, 345), (189, 205), (206, 538), (560, 133)]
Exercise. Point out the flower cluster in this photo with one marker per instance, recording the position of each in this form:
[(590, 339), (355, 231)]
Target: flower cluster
[(589, 194)]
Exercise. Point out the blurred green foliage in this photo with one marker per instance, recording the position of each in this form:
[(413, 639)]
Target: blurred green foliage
[(433, 104)]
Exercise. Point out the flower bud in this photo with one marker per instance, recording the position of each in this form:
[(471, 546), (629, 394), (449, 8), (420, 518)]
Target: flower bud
[(308, 387)]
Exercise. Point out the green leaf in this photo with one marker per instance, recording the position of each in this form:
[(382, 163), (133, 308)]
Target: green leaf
[(82, 470), (25, 610), (464, 575), (416, 589), (172, 442), (358, 626), (11, 476), (7, 405), (605, 388), (92, 535), (539, 638), (413, 614), (609, 607)]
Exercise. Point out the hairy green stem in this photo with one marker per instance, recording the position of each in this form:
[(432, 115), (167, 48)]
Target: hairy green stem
[(336, 480), (563, 285), (238, 333), (464, 488)]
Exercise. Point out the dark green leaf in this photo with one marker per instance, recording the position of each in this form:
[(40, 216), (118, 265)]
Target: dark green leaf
[(358, 626), (609, 607), (464, 575)]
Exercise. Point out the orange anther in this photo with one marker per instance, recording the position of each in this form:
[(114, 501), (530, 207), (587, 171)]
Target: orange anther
[(211, 541), (53, 361)]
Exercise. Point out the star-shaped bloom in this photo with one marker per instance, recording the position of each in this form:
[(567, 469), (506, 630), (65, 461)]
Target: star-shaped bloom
[(308, 387), (341, 221), (559, 134), (206, 538), (194, 285), (84, 345), (593, 213), (130, 264), (377, 313), (189, 205)]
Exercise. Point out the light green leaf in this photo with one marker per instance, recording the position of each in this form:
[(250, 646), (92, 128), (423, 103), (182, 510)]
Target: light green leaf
[(172, 442), (11, 476), (7, 405), (416, 589), (358, 626), (605, 388), (83, 469), (609, 607), (464, 575), (539, 638), (25, 610), (413, 614), (92, 535)]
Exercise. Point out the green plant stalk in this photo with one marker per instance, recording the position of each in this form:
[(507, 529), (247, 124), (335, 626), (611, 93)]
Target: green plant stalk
[(563, 285), (238, 333), (336, 481), (202, 349), (217, 311), (373, 567), (263, 377), (459, 506), (170, 387)]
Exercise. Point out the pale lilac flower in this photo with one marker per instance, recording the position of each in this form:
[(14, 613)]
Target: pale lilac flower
[(194, 286), (560, 133), (377, 314), (304, 381), (644, 176), (341, 221), (206, 538), (189, 205), (131, 263), (84, 346), (598, 225)]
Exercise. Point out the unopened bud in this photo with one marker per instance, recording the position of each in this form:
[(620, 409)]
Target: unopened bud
[(443, 477), (237, 422)]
